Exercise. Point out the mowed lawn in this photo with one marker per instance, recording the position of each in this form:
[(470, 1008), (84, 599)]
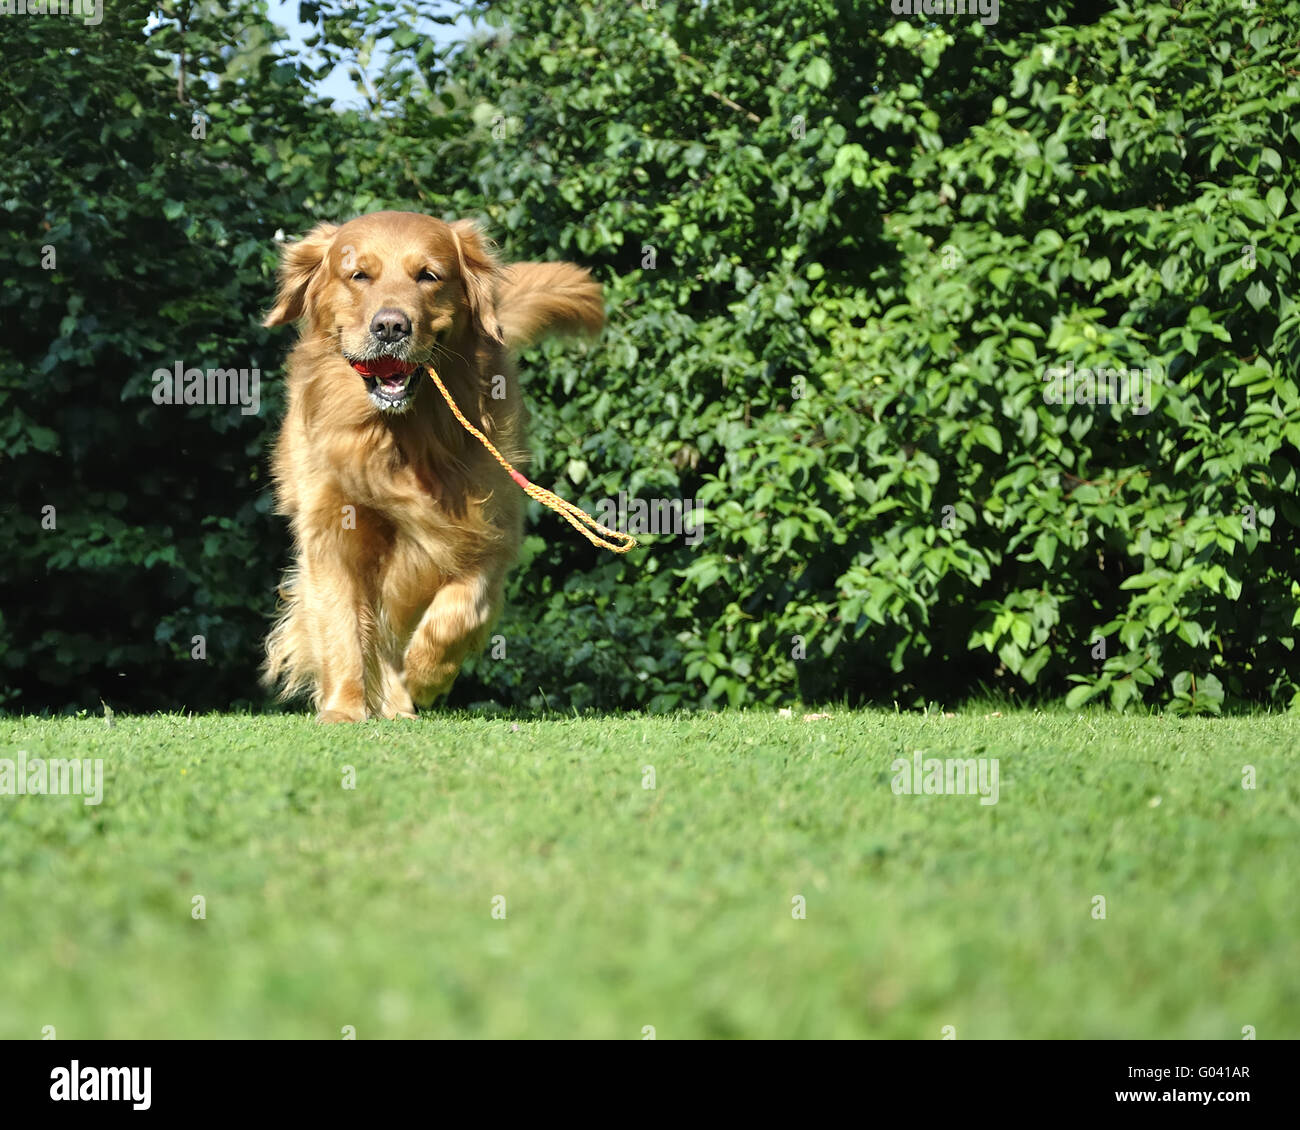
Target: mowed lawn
[(672, 907)]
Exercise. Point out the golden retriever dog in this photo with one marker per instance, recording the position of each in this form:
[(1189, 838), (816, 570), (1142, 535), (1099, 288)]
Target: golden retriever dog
[(404, 526)]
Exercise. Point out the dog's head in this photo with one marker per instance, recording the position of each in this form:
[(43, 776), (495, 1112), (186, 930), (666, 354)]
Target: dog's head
[(390, 289)]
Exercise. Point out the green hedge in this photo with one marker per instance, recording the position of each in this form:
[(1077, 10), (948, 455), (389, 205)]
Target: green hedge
[(842, 253)]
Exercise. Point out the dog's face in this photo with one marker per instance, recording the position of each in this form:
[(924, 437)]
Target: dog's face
[(389, 290)]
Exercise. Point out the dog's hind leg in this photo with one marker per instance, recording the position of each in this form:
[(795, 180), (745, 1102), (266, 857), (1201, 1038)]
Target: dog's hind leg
[(386, 693), (394, 701)]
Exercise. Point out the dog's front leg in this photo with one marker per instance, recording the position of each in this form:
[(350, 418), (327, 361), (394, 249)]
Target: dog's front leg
[(455, 625), (338, 616)]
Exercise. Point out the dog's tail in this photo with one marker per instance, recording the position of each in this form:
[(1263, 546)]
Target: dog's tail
[(534, 299)]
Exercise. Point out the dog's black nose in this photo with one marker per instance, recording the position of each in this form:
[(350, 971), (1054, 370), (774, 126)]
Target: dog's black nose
[(390, 325)]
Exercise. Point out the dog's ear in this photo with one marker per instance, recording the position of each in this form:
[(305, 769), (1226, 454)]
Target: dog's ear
[(478, 270), (299, 263)]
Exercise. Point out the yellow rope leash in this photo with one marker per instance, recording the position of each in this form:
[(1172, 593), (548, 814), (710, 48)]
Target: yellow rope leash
[(580, 520)]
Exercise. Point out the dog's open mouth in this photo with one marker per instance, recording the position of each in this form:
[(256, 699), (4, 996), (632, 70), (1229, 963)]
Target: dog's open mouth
[(388, 380)]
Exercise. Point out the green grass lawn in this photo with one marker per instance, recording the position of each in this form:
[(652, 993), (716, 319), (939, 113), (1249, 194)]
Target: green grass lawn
[(670, 907)]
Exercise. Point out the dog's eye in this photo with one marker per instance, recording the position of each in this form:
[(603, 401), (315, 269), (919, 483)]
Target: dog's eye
[(359, 276), (427, 276)]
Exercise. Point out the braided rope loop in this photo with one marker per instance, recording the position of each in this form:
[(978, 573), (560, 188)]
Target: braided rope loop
[(580, 520)]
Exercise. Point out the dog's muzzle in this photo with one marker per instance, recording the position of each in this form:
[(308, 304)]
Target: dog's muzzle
[(388, 381)]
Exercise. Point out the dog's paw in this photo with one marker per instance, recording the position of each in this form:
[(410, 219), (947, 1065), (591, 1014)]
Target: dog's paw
[(341, 716), (431, 684)]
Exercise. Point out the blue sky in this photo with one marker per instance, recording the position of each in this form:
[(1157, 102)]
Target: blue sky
[(337, 86)]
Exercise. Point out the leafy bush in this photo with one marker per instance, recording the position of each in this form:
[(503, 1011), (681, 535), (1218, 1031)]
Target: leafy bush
[(842, 253), (856, 302)]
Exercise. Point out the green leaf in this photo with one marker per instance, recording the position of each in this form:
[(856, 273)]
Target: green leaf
[(1258, 295), (987, 435), (1081, 695), (818, 73)]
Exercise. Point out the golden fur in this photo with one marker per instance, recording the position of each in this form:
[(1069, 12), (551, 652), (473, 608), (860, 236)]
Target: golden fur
[(404, 526)]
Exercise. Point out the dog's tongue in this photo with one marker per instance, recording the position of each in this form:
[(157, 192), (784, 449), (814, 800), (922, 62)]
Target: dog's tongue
[(383, 368)]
